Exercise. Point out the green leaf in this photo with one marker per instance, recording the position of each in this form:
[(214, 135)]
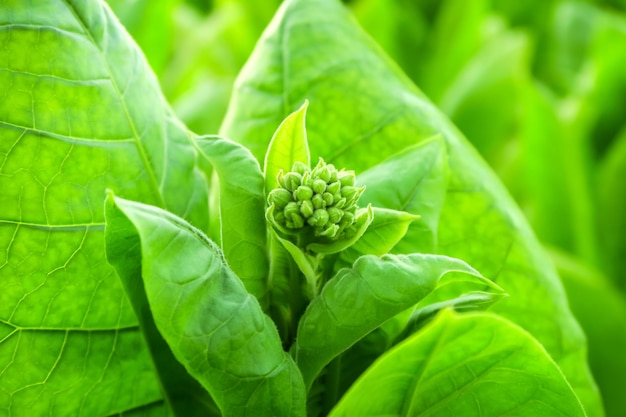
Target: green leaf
[(80, 112), (213, 326), (363, 110), (458, 291), (387, 228), (358, 300), (601, 310), (242, 205), (184, 395), (413, 180), (460, 365), (288, 145)]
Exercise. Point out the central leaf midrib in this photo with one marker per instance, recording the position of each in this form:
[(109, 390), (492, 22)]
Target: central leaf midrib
[(140, 149)]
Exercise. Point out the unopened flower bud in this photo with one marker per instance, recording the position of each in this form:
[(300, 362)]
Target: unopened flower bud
[(300, 167), (291, 209), (334, 187), (333, 173), (303, 193), (318, 202), (347, 178), (279, 197), (348, 192), (307, 180), (319, 186), (328, 199), (306, 208), (319, 218), (340, 203), (316, 170), (292, 180), (334, 214), (324, 173), (297, 220), (355, 197), (279, 217)]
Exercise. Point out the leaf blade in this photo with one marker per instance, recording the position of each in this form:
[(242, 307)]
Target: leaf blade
[(90, 119), (500, 361), (183, 394), (358, 300), (419, 176), (288, 145), (387, 228), (214, 327), (242, 204)]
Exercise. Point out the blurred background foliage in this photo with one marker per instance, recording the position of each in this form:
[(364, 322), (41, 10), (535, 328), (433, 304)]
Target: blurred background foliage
[(538, 86)]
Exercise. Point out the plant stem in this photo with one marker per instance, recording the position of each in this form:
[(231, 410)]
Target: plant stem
[(296, 298)]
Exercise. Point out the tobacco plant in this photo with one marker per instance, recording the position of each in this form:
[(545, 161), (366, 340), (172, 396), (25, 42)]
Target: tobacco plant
[(295, 246), (308, 260)]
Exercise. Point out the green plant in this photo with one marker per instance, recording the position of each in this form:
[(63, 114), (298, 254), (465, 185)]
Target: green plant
[(77, 340), (323, 307)]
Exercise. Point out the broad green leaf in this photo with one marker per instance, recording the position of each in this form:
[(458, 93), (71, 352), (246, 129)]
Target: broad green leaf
[(601, 310), (364, 110), (358, 300), (463, 365), (242, 205), (214, 327), (461, 291), (80, 112), (288, 145), (414, 181), (184, 395), (386, 229)]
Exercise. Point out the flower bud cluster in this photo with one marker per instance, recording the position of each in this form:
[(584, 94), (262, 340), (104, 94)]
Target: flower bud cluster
[(323, 199)]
